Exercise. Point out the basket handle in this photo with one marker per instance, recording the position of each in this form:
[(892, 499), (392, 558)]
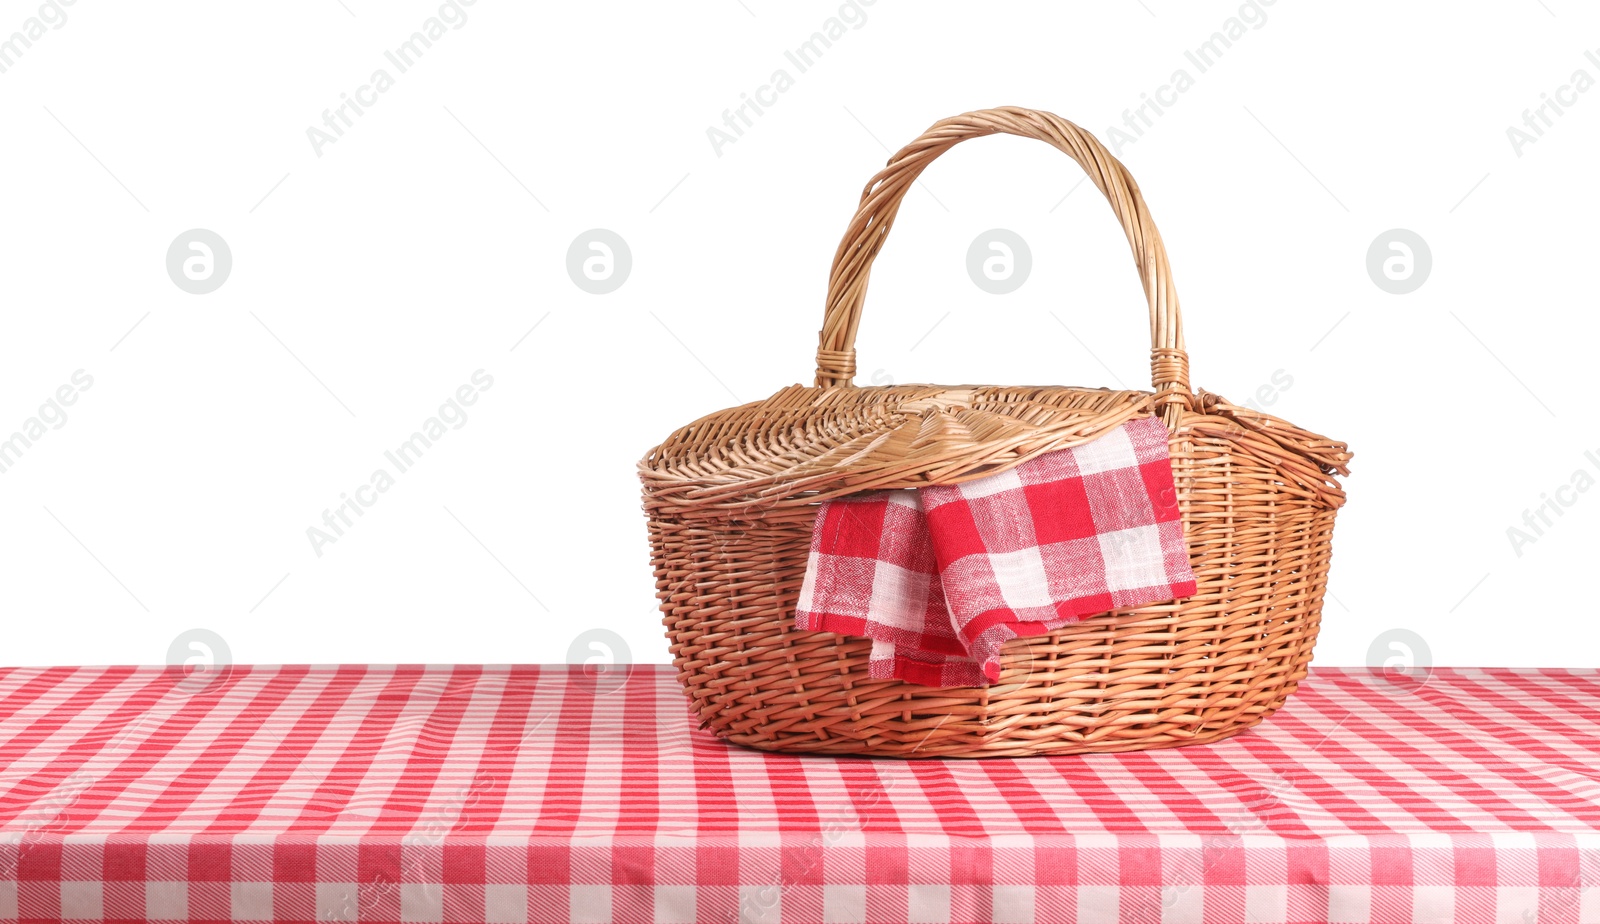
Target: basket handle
[(880, 201)]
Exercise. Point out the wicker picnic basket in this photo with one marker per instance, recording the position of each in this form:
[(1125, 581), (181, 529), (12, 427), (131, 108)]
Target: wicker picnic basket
[(731, 499)]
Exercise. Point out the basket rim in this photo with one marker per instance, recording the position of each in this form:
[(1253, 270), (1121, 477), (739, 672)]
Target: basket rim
[(805, 444)]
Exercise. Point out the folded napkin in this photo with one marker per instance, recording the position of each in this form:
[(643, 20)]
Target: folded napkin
[(939, 578)]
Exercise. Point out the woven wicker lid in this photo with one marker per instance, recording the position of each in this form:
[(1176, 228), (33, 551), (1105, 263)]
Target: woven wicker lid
[(805, 444), (824, 442)]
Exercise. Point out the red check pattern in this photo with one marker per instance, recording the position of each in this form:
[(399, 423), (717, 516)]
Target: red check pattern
[(390, 794), (939, 578)]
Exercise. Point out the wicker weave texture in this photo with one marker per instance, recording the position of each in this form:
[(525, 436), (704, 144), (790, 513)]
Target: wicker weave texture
[(731, 499)]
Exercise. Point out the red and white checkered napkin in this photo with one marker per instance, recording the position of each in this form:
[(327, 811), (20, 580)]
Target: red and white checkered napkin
[(940, 577)]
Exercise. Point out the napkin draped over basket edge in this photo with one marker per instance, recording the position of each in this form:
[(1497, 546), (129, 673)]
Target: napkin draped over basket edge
[(940, 577)]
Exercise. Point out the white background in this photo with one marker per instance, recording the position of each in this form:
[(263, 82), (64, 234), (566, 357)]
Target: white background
[(370, 282)]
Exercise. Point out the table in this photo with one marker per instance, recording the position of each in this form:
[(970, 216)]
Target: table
[(536, 793)]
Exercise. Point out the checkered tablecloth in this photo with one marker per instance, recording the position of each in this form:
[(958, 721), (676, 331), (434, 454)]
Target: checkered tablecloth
[(525, 794)]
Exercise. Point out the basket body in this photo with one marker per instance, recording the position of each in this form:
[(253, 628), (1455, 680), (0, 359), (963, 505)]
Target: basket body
[(1257, 513), (731, 500)]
